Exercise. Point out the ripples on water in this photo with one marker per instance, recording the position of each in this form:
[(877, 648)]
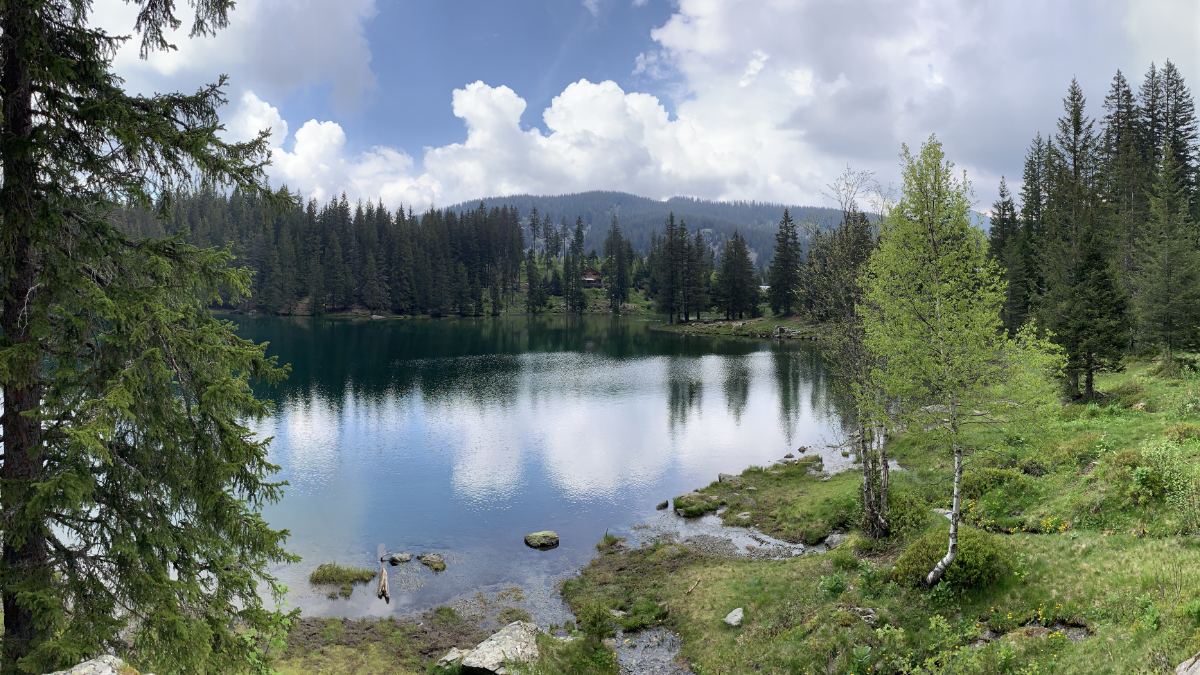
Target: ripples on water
[(460, 436)]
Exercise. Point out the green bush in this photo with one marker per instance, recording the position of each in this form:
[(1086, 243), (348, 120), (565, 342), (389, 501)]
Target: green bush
[(907, 514), (978, 483), (982, 559), (595, 620)]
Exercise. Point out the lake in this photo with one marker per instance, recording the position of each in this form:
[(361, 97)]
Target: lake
[(460, 436)]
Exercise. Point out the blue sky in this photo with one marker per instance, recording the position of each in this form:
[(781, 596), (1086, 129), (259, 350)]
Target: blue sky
[(423, 103)]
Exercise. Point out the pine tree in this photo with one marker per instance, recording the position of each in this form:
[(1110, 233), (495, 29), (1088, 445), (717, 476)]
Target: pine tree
[(1167, 304), (535, 295), (1125, 172), (132, 483), (737, 287), (617, 264), (1082, 293), (1009, 247), (783, 275)]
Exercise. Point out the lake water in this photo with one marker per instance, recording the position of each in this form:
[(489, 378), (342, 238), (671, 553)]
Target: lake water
[(460, 436)]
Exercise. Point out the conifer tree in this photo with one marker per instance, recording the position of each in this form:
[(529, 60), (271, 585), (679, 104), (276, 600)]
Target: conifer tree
[(1168, 283), (1008, 246), (1083, 304), (535, 296), (783, 275), (617, 266), (1125, 172), (737, 287), (132, 483)]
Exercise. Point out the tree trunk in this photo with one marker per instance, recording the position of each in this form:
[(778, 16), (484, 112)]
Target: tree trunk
[(25, 556), (881, 440), (955, 515), (870, 512)]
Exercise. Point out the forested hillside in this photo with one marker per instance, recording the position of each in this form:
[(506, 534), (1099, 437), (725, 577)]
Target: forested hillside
[(640, 216)]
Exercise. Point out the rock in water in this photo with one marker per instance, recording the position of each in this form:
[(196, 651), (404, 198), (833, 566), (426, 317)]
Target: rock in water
[(542, 540), (104, 665), (734, 618), (451, 658), (1189, 667), (515, 643), (400, 558), (663, 505), (728, 478), (433, 561)]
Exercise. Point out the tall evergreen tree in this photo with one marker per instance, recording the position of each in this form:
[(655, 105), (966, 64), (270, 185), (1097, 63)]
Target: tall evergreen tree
[(535, 296), (1083, 304), (617, 266), (737, 285), (1167, 303), (131, 481), (783, 275), (1125, 172), (1009, 246)]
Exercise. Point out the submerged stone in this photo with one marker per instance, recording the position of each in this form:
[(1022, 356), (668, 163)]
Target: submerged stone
[(542, 540)]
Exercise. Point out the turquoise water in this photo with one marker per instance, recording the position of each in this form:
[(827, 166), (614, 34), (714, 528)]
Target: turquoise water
[(460, 436)]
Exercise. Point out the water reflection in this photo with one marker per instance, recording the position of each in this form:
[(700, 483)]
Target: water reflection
[(464, 435)]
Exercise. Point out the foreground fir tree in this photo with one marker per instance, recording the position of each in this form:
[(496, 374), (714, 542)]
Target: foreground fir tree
[(131, 485), (736, 283), (931, 317)]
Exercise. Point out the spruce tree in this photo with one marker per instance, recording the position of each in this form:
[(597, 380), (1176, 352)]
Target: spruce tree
[(737, 287), (535, 296), (617, 266), (1126, 173), (132, 481), (783, 275), (1009, 247), (1167, 303)]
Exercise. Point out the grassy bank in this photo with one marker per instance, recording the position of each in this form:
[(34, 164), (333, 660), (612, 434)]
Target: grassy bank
[(793, 328), (1094, 510)]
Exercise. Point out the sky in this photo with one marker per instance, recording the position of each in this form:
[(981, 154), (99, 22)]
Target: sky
[(421, 103)]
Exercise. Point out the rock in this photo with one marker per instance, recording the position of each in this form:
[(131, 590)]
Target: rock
[(788, 456), (610, 644), (376, 317), (662, 506), (1189, 667), (103, 665), (616, 613), (835, 540), (744, 515), (825, 479), (748, 501), (728, 478), (452, 658), (433, 561), (943, 512), (545, 539), (515, 643), (400, 558), (734, 618), (752, 489)]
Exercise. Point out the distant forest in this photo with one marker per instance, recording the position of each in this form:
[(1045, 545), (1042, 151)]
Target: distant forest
[(310, 258)]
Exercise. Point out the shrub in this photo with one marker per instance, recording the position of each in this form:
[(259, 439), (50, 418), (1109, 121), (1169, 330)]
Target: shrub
[(843, 557), (978, 483), (1182, 431), (907, 514), (982, 559), (834, 584), (595, 620)]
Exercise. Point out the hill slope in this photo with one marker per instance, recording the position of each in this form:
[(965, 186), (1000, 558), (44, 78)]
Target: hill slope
[(639, 216)]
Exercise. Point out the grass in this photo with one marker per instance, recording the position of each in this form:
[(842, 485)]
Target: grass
[(370, 647), (333, 573)]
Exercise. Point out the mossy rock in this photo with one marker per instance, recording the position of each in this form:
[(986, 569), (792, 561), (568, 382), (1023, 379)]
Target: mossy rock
[(694, 504)]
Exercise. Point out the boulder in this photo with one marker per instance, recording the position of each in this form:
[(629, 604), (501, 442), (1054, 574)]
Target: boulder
[(1189, 667), (452, 658), (744, 515), (734, 618), (542, 540), (433, 561), (515, 643), (835, 540), (748, 501), (102, 665), (788, 456), (375, 317), (400, 558), (729, 478), (752, 489), (662, 506)]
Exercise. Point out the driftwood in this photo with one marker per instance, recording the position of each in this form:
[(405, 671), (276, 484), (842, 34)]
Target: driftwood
[(383, 586)]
